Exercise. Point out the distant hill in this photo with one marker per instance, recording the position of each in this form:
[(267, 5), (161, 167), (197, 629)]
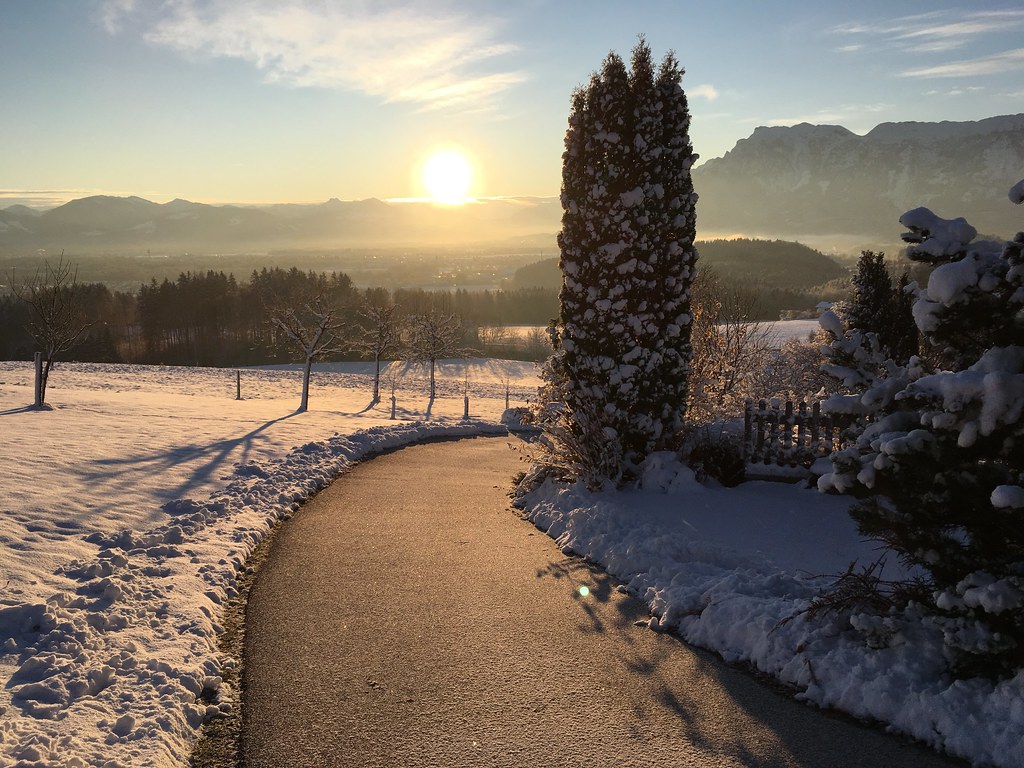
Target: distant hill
[(823, 179), (769, 263), (134, 225)]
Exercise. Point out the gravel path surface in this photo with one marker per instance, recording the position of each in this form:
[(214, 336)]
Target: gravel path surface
[(407, 617)]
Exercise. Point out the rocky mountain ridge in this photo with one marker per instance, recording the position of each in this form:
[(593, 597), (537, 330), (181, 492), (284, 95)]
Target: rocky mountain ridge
[(824, 179)]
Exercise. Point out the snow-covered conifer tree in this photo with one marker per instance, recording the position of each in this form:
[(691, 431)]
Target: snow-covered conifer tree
[(943, 453), (881, 307), (627, 259)]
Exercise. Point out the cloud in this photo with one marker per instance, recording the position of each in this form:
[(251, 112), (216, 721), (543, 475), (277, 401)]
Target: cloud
[(704, 91), (1008, 61), (933, 32), (955, 91), (846, 113), (959, 29), (112, 12), (398, 53)]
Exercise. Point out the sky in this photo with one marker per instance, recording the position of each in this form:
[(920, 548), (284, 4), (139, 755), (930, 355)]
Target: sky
[(263, 101)]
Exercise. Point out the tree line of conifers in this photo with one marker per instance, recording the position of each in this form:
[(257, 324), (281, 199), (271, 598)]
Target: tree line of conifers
[(212, 319)]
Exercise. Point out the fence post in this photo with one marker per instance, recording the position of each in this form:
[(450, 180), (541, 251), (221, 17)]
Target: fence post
[(238, 385), (761, 427), (748, 435), (773, 455), (39, 379), (393, 404), (816, 428), (787, 434), (801, 427)]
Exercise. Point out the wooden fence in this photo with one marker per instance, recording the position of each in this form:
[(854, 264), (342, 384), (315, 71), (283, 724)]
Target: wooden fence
[(790, 436)]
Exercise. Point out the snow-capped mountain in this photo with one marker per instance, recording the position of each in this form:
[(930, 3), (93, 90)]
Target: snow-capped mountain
[(824, 179)]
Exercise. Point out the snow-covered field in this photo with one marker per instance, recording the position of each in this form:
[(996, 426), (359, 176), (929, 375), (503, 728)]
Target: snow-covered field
[(126, 510)]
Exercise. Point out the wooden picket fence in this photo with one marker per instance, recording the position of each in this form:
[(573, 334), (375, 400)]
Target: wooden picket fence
[(792, 436)]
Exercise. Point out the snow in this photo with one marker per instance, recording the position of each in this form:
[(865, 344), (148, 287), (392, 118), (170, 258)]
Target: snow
[(126, 511), (1016, 193), (935, 236), (731, 569)]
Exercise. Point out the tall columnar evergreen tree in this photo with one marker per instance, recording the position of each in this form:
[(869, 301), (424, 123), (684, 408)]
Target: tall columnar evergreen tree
[(627, 257)]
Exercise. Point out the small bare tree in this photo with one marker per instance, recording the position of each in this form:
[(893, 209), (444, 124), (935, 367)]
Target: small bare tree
[(432, 337), (380, 337), (729, 348), (393, 374), (314, 325), (57, 320)]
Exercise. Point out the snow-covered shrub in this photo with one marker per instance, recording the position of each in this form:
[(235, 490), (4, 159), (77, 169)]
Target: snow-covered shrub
[(627, 257), (943, 457)]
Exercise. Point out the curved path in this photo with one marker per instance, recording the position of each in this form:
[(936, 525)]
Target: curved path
[(406, 617)]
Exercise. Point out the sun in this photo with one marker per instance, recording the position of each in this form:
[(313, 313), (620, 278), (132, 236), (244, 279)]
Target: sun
[(447, 176)]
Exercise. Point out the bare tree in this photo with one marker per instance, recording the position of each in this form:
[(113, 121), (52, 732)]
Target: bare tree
[(57, 320), (380, 337), (314, 325), (432, 337), (729, 348), (393, 374)]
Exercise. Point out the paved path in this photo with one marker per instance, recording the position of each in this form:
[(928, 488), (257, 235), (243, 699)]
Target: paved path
[(407, 617)]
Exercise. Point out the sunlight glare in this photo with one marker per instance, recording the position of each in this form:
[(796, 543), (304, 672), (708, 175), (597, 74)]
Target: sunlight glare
[(447, 176), (584, 590)]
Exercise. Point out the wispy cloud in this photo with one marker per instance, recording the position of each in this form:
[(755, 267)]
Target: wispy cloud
[(844, 114), (935, 32), (112, 12), (398, 53), (704, 91), (985, 65), (955, 91)]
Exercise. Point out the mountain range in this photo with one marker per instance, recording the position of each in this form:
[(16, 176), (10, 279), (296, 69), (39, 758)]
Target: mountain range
[(103, 223), (781, 182), (825, 180)]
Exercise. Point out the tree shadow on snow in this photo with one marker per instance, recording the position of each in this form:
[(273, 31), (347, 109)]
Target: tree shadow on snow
[(27, 409), (210, 460), (674, 677)]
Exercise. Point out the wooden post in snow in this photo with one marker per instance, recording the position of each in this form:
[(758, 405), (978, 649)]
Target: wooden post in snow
[(238, 385), (39, 379)]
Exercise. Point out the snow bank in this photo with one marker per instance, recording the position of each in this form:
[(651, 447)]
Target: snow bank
[(730, 570), (127, 512)]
